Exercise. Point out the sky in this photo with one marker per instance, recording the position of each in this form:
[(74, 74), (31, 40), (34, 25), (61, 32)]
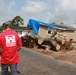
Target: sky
[(42, 10)]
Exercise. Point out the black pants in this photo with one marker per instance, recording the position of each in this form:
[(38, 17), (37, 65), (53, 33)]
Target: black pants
[(13, 68)]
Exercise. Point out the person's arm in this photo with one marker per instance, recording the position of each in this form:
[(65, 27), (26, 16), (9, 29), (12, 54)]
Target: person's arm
[(0, 47), (19, 43), (0, 50), (19, 48), (0, 53)]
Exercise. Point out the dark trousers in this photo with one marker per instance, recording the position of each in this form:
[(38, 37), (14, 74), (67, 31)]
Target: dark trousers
[(13, 69)]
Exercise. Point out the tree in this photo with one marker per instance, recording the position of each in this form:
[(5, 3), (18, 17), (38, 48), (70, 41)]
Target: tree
[(1, 28), (61, 23), (17, 21)]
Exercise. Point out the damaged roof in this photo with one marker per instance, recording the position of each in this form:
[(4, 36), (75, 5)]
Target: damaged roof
[(65, 27)]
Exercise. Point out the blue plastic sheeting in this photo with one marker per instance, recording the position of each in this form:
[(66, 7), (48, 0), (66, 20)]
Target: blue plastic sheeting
[(36, 24)]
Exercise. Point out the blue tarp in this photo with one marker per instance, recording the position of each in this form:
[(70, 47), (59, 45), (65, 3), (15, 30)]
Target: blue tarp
[(36, 24)]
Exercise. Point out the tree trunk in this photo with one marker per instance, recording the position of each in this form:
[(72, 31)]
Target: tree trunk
[(60, 40), (55, 45)]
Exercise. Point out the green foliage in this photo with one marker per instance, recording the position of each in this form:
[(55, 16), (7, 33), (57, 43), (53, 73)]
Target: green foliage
[(61, 23), (16, 21), (1, 28)]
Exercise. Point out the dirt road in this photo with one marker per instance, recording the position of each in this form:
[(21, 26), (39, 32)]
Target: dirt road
[(63, 55), (34, 63)]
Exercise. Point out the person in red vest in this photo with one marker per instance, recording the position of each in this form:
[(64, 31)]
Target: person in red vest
[(10, 43)]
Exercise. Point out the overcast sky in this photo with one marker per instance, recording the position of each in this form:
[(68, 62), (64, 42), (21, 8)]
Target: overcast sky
[(43, 10)]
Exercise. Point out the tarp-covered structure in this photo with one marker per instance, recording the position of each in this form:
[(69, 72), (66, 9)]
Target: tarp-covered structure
[(35, 24)]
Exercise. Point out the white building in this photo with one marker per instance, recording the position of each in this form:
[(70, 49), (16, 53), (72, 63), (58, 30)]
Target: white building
[(20, 30)]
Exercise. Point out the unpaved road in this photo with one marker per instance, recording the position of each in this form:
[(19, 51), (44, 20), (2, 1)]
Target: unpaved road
[(34, 63), (62, 55)]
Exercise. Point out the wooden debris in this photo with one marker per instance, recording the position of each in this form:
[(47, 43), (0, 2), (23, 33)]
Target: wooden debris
[(68, 45), (40, 41), (55, 45), (47, 49)]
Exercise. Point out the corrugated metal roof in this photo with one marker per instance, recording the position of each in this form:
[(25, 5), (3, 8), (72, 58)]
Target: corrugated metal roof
[(61, 27), (65, 27)]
